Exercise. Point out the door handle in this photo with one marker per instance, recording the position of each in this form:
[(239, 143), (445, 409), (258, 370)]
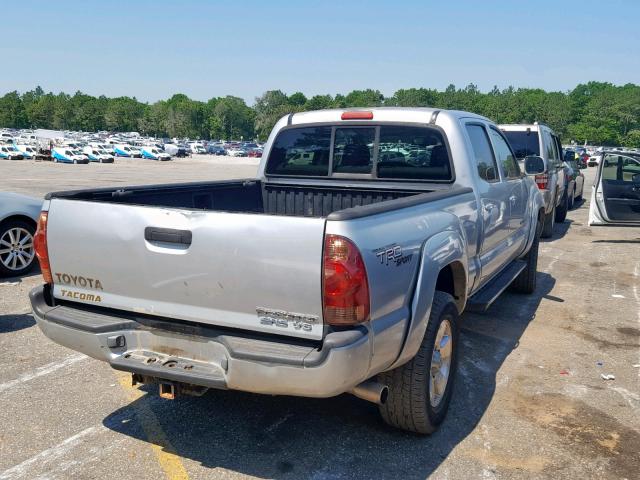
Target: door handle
[(168, 235)]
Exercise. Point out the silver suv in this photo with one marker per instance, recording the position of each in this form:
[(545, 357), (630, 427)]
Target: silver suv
[(538, 140)]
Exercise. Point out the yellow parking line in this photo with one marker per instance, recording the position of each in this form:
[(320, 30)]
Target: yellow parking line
[(165, 453)]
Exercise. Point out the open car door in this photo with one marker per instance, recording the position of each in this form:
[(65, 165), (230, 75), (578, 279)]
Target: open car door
[(615, 197)]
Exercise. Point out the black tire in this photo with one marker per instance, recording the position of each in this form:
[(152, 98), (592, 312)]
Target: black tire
[(526, 281), (408, 406), (5, 227), (549, 223), (561, 213), (579, 197)]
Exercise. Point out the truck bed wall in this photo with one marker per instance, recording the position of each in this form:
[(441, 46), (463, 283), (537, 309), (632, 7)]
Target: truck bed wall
[(244, 196)]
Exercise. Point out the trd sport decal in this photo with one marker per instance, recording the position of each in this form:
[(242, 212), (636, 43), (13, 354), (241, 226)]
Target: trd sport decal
[(392, 255)]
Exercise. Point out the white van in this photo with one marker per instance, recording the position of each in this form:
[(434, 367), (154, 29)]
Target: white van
[(154, 153), (28, 151), (96, 154), (122, 150), (68, 155)]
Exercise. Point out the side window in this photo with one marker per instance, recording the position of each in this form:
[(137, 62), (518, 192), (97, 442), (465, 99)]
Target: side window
[(485, 161), (504, 155), (550, 149)]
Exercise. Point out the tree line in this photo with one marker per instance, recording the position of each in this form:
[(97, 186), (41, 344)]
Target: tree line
[(596, 112)]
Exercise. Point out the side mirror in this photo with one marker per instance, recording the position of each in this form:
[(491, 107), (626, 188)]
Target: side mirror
[(534, 165), (635, 178)]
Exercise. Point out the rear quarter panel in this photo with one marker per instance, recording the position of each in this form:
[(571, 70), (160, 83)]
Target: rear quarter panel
[(395, 247)]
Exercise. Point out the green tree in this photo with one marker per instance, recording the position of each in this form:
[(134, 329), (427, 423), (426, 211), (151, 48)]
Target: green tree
[(364, 98), (12, 111), (269, 108)]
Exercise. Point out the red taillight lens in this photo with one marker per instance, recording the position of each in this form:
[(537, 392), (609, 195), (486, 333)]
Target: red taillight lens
[(357, 115), (40, 244), (542, 181), (345, 285)]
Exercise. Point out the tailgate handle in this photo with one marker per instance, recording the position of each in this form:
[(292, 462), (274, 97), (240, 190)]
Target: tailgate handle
[(167, 235)]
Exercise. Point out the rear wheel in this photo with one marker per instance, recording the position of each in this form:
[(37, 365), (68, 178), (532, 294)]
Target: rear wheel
[(526, 281), (17, 253), (549, 223), (579, 197), (420, 390)]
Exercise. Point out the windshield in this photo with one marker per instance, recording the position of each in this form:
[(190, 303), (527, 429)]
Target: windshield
[(523, 143)]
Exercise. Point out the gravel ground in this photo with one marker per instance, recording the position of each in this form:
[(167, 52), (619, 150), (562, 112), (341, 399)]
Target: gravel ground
[(529, 401)]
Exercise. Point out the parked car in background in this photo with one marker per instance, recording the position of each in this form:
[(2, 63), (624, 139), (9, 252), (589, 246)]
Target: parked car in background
[(594, 160), (10, 153), (615, 197), (197, 148), (357, 289), (154, 153), (183, 151), (254, 152), (236, 152), (538, 140), (97, 155), (216, 150), (67, 155), (18, 220), (28, 151), (574, 179), (122, 150)]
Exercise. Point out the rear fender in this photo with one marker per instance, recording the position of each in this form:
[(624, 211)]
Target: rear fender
[(437, 252), (536, 203)]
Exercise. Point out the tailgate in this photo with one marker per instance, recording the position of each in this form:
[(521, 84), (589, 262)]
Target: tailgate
[(247, 271)]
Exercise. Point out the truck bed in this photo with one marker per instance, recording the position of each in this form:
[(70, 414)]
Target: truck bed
[(244, 196)]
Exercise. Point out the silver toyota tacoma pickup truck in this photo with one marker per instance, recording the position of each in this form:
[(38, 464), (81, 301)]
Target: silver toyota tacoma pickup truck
[(343, 267)]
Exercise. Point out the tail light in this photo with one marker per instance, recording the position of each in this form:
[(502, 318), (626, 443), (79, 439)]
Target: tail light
[(542, 181), (40, 244), (357, 115), (345, 284)]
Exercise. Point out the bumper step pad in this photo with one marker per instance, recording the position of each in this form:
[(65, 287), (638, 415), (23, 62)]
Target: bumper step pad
[(175, 369)]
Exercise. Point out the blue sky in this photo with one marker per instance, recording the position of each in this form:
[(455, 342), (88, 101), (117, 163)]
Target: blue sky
[(153, 49)]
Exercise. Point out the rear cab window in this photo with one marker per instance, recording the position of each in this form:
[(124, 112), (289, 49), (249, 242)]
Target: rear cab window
[(524, 143), (387, 151)]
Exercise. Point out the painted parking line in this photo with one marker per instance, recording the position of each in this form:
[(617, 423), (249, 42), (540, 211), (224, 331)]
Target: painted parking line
[(50, 456), (42, 371), (166, 455)]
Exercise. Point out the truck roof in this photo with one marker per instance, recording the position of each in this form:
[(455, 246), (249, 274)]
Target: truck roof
[(521, 127), (384, 114)]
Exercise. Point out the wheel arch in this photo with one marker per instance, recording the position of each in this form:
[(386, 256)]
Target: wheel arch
[(21, 217), (444, 253), (452, 279)]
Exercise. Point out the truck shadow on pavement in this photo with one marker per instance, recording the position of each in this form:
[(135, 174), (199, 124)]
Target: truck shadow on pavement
[(13, 323), (341, 437), (559, 231)]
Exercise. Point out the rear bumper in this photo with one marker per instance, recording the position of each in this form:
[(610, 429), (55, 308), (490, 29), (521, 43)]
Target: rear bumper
[(206, 356)]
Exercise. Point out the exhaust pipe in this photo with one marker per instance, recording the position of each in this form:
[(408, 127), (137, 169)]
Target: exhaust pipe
[(371, 391)]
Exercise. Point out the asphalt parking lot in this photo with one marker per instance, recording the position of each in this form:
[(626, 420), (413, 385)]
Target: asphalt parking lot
[(529, 401)]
